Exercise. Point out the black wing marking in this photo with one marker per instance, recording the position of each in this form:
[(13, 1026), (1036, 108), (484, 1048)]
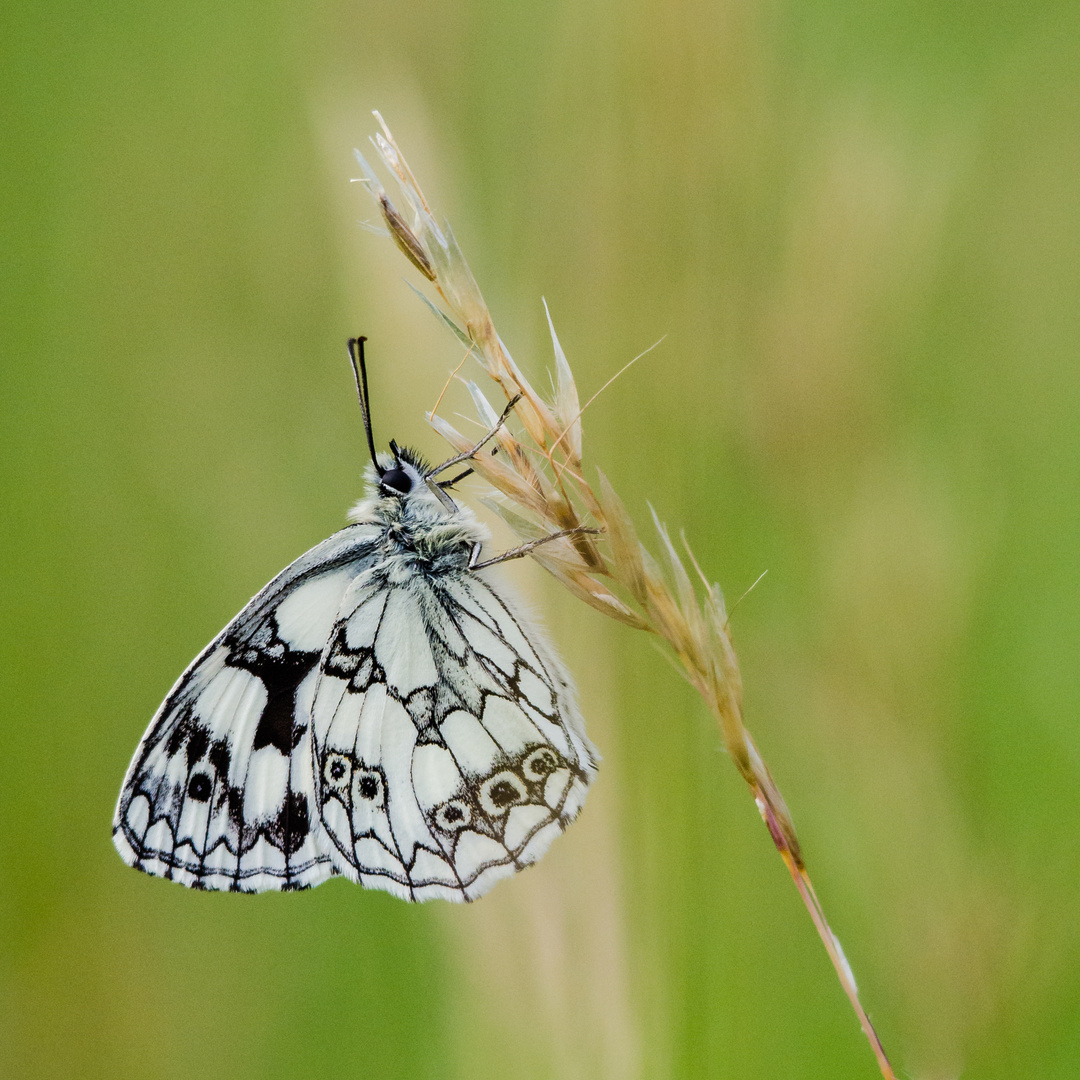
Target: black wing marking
[(449, 750), (221, 793)]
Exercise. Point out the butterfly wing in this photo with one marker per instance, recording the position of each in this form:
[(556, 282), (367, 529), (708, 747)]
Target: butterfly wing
[(221, 793), (449, 750)]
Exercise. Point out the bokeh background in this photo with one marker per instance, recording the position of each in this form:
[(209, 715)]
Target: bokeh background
[(858, 226)]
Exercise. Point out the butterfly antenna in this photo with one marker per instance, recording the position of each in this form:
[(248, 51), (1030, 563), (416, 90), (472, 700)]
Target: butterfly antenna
[(356, 359)]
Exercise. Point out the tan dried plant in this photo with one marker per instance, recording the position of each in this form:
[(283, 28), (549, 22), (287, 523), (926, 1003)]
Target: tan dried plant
[(582, 534)]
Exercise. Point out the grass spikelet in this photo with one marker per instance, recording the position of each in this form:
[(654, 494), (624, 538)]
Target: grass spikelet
[(567, 407), (625, 548), (544, 491)]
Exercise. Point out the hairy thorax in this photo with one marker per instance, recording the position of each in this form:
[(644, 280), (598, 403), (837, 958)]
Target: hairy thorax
[(419, 534)]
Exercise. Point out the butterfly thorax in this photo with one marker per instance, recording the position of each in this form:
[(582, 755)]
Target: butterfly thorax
[(419, 533)]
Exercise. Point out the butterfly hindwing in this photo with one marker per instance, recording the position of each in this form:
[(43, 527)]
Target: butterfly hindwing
[(449, 751), (221, 792)]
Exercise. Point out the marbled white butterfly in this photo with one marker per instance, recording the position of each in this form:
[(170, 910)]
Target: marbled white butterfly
[(379, 711)]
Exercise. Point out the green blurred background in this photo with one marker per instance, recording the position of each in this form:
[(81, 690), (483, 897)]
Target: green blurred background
[(858, 225)]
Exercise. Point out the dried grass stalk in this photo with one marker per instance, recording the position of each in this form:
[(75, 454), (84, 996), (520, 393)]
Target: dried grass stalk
[(544, 490)]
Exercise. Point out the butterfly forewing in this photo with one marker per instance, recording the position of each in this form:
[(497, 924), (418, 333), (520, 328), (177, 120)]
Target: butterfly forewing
[(220, 793)]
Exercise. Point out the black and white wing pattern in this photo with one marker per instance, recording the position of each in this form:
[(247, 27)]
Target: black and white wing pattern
[(448, 747), (378, 711), (221, 793)]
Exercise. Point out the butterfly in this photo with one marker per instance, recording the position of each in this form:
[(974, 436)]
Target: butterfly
[(379, 711)]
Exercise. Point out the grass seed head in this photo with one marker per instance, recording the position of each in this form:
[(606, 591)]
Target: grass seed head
[(543, 490)]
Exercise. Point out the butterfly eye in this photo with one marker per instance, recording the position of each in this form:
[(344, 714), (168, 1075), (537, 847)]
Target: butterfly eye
[(397, 479)]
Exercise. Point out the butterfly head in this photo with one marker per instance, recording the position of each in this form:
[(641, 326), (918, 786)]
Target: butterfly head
[(402, 479), (402, 474), (400, 488)]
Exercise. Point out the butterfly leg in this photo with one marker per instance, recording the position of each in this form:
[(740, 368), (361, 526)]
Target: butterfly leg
[(480, 445), (523, 549), (444, 484)]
